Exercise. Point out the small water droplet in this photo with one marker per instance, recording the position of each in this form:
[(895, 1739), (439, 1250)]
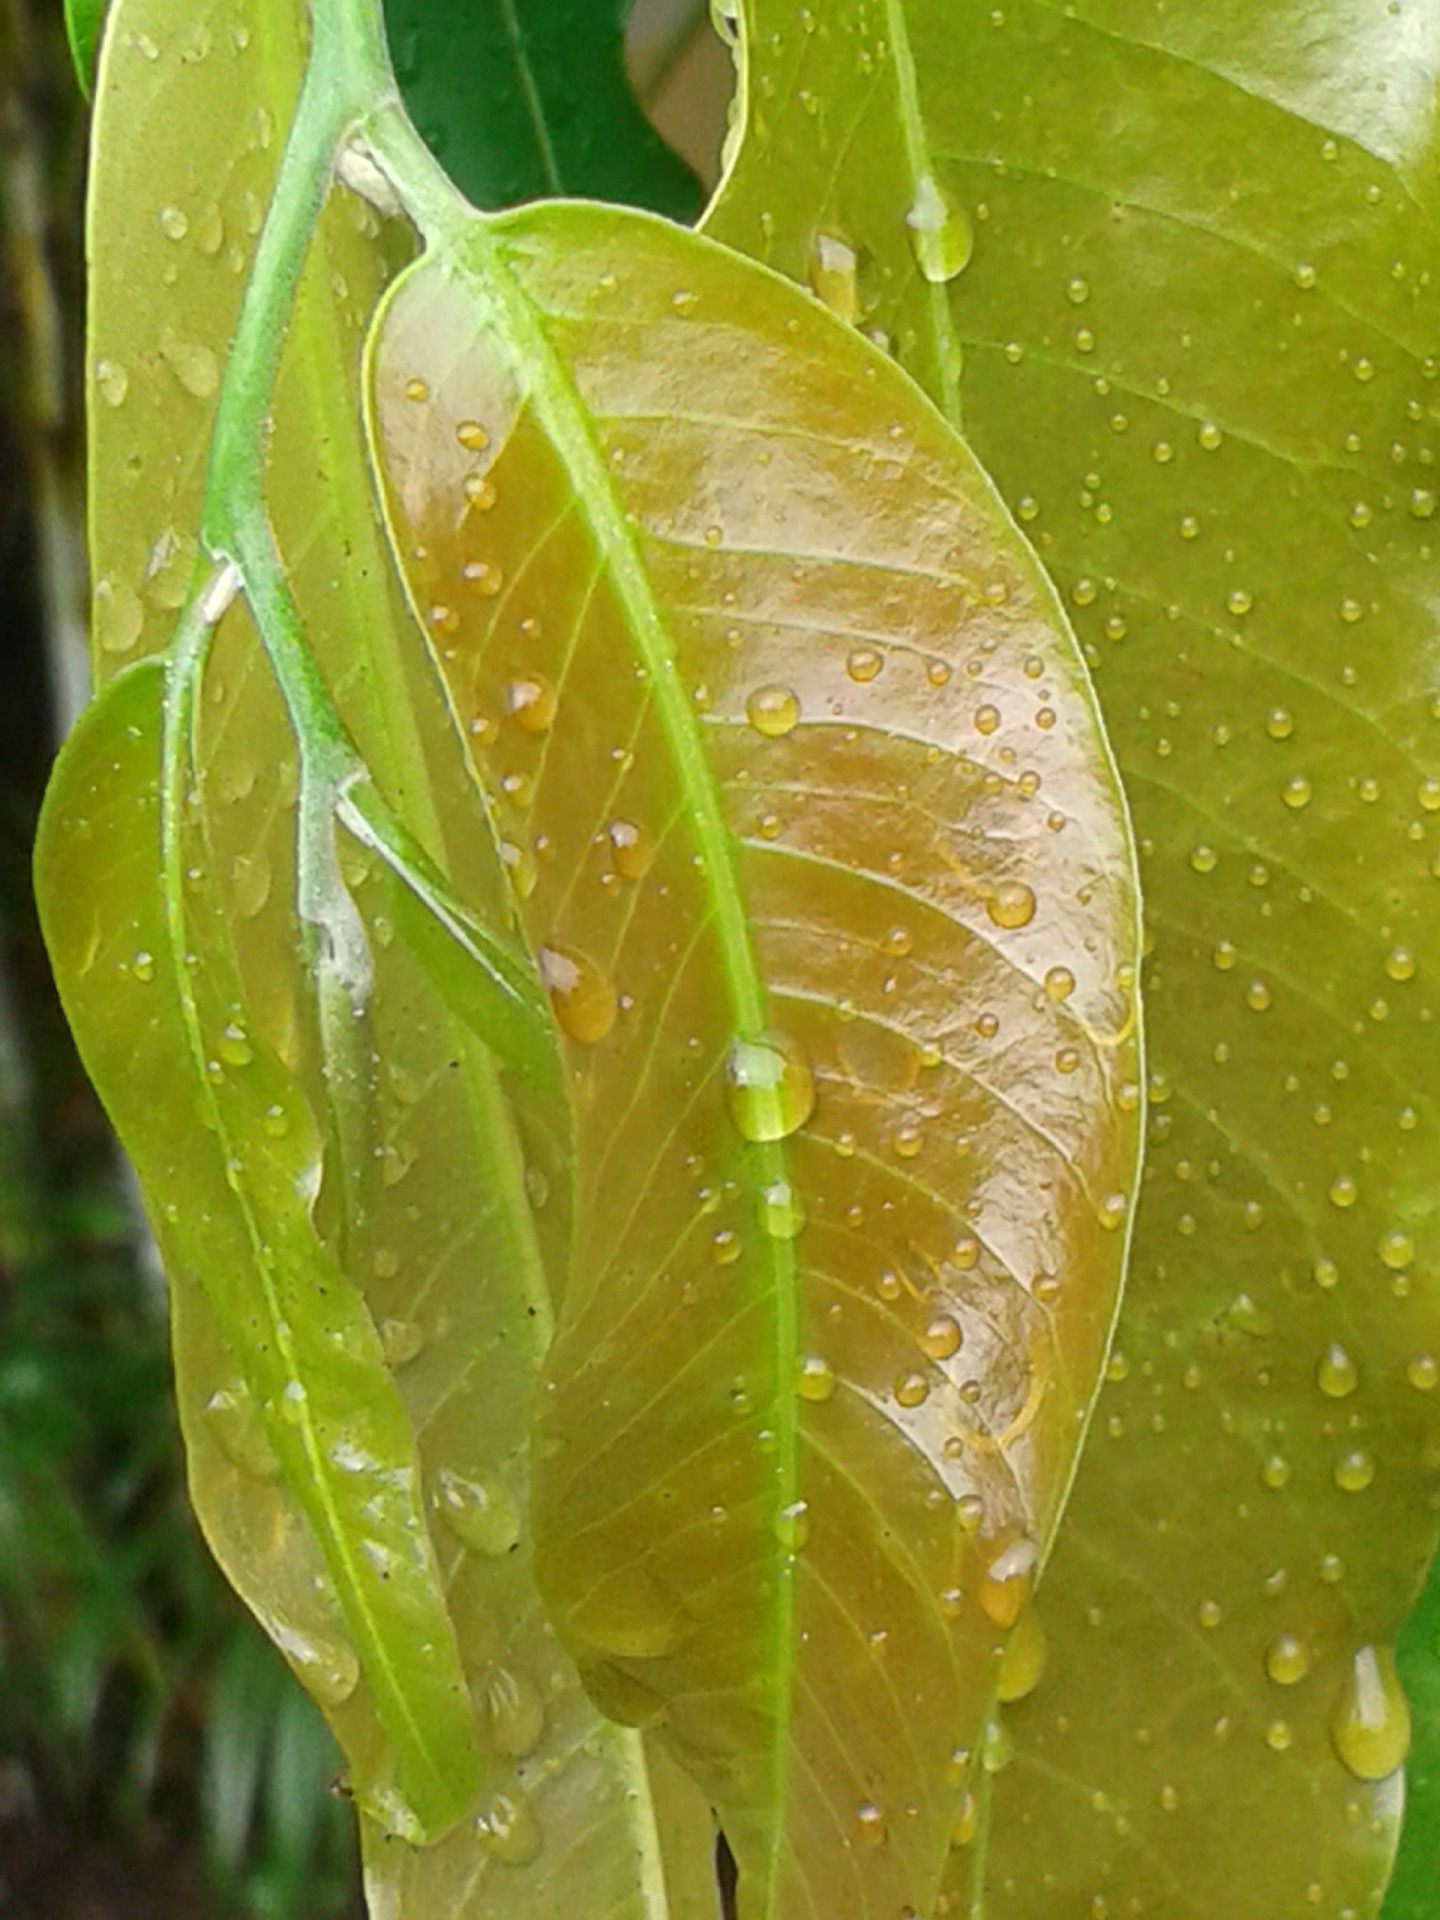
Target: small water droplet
[(769, 1086), (1336, 1374), (480, 1513), (1007, 1580), (1287, 1660), (863, 664), (911, 1390), (234, 1047), (1422, 503), (1343, 1191), (1423, 1372), (193, 364), (1023, 1662), (781, 1210), (530, 700), (773, 711), (1296, 792), (1371, 1726), (869, 1824), (119, 616), (513, 1709), (1059, 984), (834, 276), (1204, 859), (815, 1379), (792, 1525), (583, 998), (112, 382), (967, 1820), (940, 1338), (1011, 905), (1354, 1471), (633, 849), (508, 1830), (400, 1340), (483, 578), (941, 236), (234, 1420), (1257, 997)]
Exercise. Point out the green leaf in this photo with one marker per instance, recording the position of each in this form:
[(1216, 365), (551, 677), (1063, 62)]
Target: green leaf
[(526, 99), (228, 1151), (1182, 283), (83, 20), (811, 797), (1414, 1889)]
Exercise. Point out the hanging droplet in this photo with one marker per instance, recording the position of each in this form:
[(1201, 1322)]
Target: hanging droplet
[(782, 1210), (1023, 1661), (941, 236), (1011, 905), (584, 1000), (1006, 1583), (1336, 1375), (633, 849), (773, 711), (1287, 1660), (815, 1379), (834, 276), (508, 1830), (480, 1513), (769, 1086), (1371, 1727), (530, 700), (514, 1711)]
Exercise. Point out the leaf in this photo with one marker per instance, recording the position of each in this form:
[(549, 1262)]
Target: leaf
[(807, 790), (1196, 334), (83, 20), (1415, 1884), (231, 1166), (526, 99)]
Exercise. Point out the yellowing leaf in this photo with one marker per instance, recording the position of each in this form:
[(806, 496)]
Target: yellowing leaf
[(816, 844)]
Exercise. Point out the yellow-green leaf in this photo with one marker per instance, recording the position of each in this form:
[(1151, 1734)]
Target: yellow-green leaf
[(816, 843)]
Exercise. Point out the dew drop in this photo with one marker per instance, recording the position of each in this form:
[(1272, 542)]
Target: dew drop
[(482, 578), (1024, 1658), (1354, 1471), (941, 1337), (233, 1418), (508, 1831), (1396, 1250), (530, 700), (1279, 723), (815, 1379), (112, 382), (1371, 1727), (514, 1711), (1005, 1586), (967, 1821), (773, 711), (792, 1525), (1204, 859), (1343, 1191), (941, 236), (834, 276), (234, 1047), (781, 1209), (400, 1340), (1059, 984), (327, 1666), (987, 719), (1400, 964), (1287, 1660), (1423, 1372), (1296, 792), (633, 850), (863, 664), (142, 966), (1336, 1374), (869, 1824), (911, 1390), (583, 998), (1257, 997), (119, 616), (1011, 905), (769, 1087), (193, 364), (480, 1513)]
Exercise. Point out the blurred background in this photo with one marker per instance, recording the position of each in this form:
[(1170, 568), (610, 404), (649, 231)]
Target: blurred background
[(156, 1758)]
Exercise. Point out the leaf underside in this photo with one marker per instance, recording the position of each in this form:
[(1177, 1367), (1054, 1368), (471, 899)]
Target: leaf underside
[(725, 617), (1193, 345)]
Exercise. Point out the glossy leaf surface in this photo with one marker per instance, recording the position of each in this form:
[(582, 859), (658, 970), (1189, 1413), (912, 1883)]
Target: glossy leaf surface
[(529, 99), (815, 841), (1188, 316)]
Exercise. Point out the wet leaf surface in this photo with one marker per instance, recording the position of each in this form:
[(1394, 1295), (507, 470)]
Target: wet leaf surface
[(1177, 274), (814, 840)]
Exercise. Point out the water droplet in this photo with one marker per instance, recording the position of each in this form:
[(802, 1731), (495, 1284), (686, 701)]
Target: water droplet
[(480, 1513), (1204, 859), (1005, 1585), (1400, 964), (508, 1830), (1371, 1727), (632, 847), (1296, 792), (584, 1000), (1343, 1191), (193, 364), (1422, 504), (1059, 984), (112, 382), (792, 1525), (513, 1709), (773, 711), (400, 1340), (1336, 1374), (482, 578), (1396, 1250), (967, 1820), (1023, 1661), (1257, 997), (782, 1210), (1354, 1471), (142, 966), (911, 1390), (987, 719), (1287, 1660), (1423, 1372), (1209, 435), (941, 1337), (769, 1086), (233, 1418), (941, 235), (1279, 723), (863, 664), (1011, 905), (472, 436), (1428, 794), (1278, 1736), (1077, 291), (530, 700), (119, 616), (327, 1666), (815, 1380), (834, 276), (234, 1047)]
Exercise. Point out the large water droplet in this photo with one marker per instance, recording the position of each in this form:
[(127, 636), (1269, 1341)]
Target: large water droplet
[(508, 1830), (770, 1087), (941, 235), (773, 711), (1024, 1658), (1011, 905), (480, 1513), (1336, 1374), (583, 998), (1371, 1727), (514, 1711)]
